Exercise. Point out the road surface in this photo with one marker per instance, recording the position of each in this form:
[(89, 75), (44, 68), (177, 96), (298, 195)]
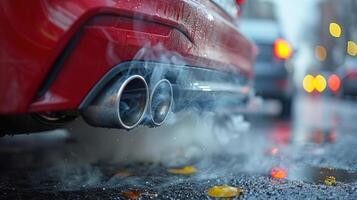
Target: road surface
[(319, 141)]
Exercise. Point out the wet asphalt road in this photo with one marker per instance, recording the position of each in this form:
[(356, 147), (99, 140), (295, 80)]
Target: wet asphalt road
[(318, 142)]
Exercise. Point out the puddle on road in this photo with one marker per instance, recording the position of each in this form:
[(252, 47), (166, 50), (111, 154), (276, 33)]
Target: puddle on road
[(318, 175)]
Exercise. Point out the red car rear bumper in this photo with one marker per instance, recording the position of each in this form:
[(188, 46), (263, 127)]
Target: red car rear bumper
[(54, 53)]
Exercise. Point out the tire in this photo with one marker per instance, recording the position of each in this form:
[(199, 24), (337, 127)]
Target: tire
[(29, 123)]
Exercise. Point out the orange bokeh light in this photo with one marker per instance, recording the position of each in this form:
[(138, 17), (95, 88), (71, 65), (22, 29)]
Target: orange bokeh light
[(320, 53), (334, 83)]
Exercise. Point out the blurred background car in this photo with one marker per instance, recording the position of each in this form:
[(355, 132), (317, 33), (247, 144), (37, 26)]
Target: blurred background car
[(272, 79), (349, 77)]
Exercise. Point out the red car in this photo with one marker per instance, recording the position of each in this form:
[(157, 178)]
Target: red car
[(118, 63)]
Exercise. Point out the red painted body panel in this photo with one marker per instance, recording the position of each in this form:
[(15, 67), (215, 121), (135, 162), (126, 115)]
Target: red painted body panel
[(34, 33)]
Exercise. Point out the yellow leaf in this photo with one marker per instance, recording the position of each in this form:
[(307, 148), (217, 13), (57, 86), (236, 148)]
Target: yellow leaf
[(123, 173), (330, 180), (224, 191), (187, 170)]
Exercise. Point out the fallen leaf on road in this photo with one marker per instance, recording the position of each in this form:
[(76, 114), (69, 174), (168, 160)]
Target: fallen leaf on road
[(132, 194), (123, 173), (330, 180), (278, 173), (224, 191), (187, 170)]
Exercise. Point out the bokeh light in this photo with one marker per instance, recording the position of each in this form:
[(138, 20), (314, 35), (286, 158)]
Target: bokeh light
[(311, 83), (351, 48), (308, 83), (335, 30), (282, 49), (320, 83), (320, 53), (334, 83)]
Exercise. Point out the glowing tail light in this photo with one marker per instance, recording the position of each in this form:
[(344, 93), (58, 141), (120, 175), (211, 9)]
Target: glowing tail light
[(240, 2), (282, 49), (334, 83)]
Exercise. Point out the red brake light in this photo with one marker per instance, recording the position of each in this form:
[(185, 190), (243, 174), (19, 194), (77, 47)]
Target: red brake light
[(282, 49), (334, 83), (240, 2)]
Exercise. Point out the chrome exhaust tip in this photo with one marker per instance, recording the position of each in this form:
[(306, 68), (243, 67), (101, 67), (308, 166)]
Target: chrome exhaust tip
[(160, 104), (122, 105)]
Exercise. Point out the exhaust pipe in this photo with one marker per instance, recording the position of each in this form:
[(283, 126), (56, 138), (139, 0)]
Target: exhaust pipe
[(160, 102), (121, 105)]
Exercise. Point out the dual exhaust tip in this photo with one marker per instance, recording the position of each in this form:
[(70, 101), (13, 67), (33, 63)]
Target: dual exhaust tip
[(129, 101)]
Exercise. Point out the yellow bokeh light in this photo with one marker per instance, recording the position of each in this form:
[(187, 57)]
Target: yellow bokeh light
[(352, 48), (335, 30), (320, 83), (282, 49), (320, 53), (308, 83)]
